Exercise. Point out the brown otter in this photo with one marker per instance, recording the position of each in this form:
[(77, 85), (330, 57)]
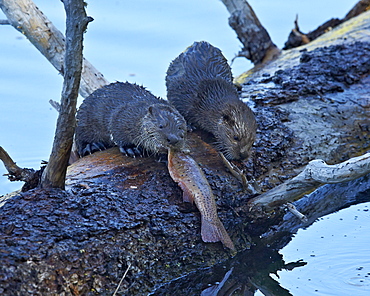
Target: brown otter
[(199, 84), (130, 117)]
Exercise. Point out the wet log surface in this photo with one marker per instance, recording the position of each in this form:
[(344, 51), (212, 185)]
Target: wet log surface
[(119, 211)]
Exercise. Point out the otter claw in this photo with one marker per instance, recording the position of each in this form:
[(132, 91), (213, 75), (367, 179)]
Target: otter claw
[(86, 150), (92, 147), (131, 151), (138, 152), (127, 151), (97, 147), (123, 150), (100, 146)]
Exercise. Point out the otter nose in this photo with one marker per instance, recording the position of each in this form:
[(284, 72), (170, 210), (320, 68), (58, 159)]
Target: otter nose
[(244, 153), (172, 139)]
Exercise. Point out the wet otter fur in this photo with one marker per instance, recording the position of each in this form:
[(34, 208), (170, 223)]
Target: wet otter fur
[(130, 117), (199, 84)]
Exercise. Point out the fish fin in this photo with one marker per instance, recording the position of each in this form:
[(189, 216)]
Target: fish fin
[(187, 196), (215, 232)]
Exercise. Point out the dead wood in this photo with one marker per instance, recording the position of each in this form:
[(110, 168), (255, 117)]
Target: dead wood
[(297, 38), (257, 44), (315, 174), (360, 7), (77, 20), (25, 17), (120, 212), (15, 173)]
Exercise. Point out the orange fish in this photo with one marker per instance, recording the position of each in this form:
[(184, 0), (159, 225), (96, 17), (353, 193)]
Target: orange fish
[(186, 172)]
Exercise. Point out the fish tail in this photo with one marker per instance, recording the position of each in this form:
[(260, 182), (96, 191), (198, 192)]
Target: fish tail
[(215, 232)]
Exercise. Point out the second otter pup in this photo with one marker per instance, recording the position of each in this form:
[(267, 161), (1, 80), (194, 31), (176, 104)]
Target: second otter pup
[(130, 117), (199, 84)]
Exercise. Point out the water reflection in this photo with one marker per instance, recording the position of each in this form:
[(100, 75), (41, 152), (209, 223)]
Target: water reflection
[(336, 248), (327, 256), (243, 275)]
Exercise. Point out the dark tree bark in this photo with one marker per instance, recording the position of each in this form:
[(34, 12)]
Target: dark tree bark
[(77, 20), (297, 38), (257, 44)]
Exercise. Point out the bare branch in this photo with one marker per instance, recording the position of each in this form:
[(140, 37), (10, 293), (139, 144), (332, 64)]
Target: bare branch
[(55, 105), (15, 172), (251, 187), (77, 20), (25, 16), (120, 282), (257, 44), (316, 173), (291, 208)]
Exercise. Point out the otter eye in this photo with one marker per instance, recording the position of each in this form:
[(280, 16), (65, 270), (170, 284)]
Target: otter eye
[(160, 126), (236, 138)]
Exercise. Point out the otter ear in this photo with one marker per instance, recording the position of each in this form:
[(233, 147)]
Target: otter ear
[(151, 110), (228, 119)]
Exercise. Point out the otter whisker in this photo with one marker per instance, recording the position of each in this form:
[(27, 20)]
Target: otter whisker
[(125, 114), (199, 84)]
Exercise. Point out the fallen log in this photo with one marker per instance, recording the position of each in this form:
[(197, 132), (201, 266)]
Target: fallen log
[(119, 212)]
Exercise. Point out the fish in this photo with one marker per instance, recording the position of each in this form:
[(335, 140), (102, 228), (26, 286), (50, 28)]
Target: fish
[(185, 171)]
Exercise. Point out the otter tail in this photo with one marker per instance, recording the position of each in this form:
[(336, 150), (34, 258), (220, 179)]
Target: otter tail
[(215, 232)]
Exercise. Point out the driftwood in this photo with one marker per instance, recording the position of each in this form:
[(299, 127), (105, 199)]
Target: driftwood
[(25, 17), (16, 173), (119, 212), (257, 44), (297, 38), (315, 174), (55, 171)]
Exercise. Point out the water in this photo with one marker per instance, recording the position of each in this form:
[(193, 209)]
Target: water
[(336, 250), (136, 41)]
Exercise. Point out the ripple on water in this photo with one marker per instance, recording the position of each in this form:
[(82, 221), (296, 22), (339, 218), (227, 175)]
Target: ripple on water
[(337, 250)]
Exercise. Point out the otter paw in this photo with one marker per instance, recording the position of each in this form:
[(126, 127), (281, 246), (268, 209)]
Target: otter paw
[(132, 151), (190, 128), (92, 147)]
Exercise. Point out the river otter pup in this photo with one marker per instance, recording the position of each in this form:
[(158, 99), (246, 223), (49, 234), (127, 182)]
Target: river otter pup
[(130, 117), (199, 84)]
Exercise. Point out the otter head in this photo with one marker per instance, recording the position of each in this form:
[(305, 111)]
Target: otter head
[(164, 128), (236, 131)]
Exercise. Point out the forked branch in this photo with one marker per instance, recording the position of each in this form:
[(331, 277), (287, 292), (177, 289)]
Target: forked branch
[(315, 174)]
